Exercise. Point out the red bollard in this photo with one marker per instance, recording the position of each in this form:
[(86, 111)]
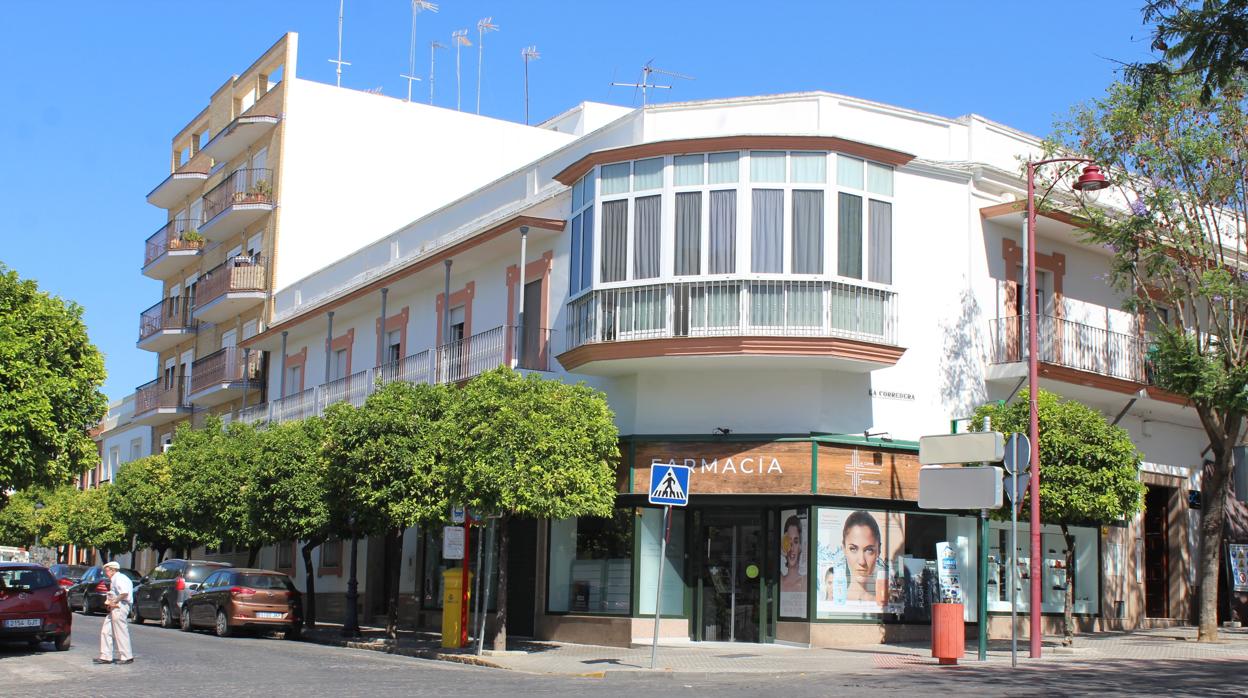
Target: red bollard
[(948, 632)]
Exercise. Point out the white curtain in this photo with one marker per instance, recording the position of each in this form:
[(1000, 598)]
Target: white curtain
[(688, 170), (688, 233), (808, 168), (807, 231), (879, 179), (767, 166), (849, 172), (614, 240), (615, 178), (723, 232), (880, 242), (648, 174), (766, 231), (724, 168), (646, 233)]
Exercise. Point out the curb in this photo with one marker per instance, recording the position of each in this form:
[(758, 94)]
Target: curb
[(387, 648)]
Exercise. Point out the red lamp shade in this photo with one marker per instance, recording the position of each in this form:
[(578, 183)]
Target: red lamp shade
[(1092, 179)]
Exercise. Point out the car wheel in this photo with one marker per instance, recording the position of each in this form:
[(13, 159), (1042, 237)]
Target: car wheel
[(186, 619), (223, 625), (167, 619), (294, 632), (62, 642), (134, 616)]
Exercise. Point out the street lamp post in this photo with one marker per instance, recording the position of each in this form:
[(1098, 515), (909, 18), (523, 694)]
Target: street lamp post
[(352, 626), (1092, 179)]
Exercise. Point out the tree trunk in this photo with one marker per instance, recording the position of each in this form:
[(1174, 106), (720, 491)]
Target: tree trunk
[(394, 552), (160, 555), (500, 618), (253, 552), (1068, 611), (309, 585), (1212, 525)]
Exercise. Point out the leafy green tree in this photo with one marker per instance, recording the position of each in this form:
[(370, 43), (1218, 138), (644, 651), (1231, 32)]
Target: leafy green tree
[(50, 378), (532, 448), (19, 520), (289, 499), (1207, 39), (146, 501), (1179, 163), (384, 459), (1089, 471), (213, 469), (92, 523)]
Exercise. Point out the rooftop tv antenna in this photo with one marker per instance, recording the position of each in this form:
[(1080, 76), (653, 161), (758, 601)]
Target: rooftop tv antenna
[(417, 7), (339, 60), (645, 85), (483, 26), (433, 50), (528, 53), (459, 37)]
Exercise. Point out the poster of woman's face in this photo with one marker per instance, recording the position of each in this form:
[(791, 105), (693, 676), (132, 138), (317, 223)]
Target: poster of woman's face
[(854, 574), (793, 524)]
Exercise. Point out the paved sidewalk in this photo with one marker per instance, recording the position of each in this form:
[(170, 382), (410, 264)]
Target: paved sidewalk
[(716, 658)]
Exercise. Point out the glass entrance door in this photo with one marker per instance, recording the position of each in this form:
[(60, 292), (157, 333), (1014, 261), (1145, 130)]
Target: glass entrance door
[(731, 582)]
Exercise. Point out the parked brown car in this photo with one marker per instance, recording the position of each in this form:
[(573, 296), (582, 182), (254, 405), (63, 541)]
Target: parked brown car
[(233, 599)]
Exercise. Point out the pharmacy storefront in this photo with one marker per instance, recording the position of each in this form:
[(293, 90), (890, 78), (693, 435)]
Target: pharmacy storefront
[(807, 540)]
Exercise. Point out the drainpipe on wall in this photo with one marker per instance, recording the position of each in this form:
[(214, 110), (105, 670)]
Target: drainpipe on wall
[(329, 343)]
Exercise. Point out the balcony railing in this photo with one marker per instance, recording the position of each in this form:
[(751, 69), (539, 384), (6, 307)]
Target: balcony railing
[(242, 186), (734, 308), (228, 365), (236, 274), (170, 238), (168, 314), (156, 394), (450, 363), (1072, 345)]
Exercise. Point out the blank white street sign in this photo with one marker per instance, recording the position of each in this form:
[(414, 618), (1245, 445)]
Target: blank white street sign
[(960, 488), (972, 447)]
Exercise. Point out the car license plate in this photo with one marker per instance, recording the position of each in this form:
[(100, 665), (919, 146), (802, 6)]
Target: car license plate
[(268, 614), (23, 623)]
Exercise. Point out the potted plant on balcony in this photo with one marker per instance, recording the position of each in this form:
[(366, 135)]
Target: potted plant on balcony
[(192, 238), (260, 192)]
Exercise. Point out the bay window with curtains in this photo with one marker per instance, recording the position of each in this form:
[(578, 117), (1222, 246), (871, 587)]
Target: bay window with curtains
[(735, 242)]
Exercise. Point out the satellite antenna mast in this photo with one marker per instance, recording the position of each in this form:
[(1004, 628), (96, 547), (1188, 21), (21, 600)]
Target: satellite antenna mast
[(417, 6), (339, 61), (459, 37), (433, 50), (483, 26), (645, 85), (529, 53)]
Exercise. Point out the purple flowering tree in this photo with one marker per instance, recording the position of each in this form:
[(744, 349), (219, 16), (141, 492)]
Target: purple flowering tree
[(1179, 165)]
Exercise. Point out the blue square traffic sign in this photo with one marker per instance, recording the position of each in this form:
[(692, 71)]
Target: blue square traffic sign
[(669, 484)]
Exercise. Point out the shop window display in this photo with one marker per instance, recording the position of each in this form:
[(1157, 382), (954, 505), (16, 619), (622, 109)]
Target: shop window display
[(1053, 568), (591, 564), (874, 564)]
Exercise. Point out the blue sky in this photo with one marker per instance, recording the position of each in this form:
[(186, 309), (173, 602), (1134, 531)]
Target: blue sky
[(94, 91)]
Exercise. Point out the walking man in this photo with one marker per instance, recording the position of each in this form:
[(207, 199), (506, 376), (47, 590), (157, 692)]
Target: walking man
[(115, 635)]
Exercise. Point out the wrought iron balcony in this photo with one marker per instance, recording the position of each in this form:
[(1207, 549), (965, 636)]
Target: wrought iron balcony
[(168, 249), (160, 401), (238, 200), (1072, 345), (165, 324), (231, 287)]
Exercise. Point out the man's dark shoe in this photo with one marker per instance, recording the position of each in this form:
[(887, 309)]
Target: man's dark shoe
[(97, 660), (127, 661)]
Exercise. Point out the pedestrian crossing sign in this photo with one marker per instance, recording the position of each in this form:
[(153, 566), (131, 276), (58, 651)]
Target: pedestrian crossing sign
[(669, 484)]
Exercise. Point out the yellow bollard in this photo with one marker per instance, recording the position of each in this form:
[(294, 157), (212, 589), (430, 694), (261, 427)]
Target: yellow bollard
[(452, 594)]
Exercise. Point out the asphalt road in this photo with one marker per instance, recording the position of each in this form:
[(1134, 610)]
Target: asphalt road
[(173, 663)]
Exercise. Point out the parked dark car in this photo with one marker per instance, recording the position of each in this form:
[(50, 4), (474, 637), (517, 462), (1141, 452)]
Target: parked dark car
[(87, 596), (163, 591), (68, 575), (33, 606), (234, 599)]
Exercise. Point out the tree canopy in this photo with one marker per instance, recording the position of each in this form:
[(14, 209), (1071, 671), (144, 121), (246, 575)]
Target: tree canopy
[(145, 498), (50, 378), (1089, 470), (19, 520), (213, 469), (1207, 39)]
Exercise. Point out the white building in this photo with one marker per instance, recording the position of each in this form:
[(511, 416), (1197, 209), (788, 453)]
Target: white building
[(784, 291)]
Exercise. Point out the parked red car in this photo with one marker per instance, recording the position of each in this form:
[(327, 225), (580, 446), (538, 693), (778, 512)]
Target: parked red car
[(33, 606)]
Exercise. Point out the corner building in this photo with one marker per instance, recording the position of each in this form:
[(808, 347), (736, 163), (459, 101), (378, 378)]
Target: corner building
[(784, 292)]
